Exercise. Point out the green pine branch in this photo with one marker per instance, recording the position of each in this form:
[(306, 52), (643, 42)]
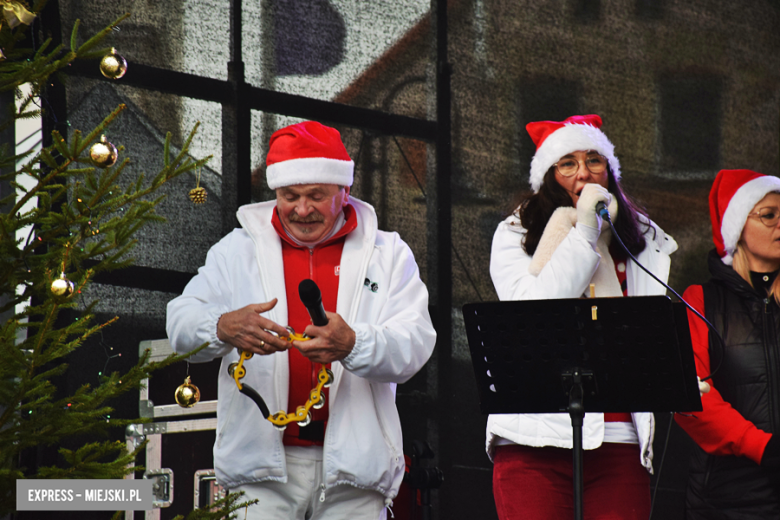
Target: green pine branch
[(84, 222)]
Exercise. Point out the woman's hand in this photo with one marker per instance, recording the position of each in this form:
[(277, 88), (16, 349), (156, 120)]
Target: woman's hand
[(588, 221), (591, 195)]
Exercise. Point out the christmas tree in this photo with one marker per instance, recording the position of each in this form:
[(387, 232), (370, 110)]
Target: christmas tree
[(83, 222)]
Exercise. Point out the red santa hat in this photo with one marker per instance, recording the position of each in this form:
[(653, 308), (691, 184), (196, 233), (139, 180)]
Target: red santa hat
[(554, 139), (732, 197), (308, 153)]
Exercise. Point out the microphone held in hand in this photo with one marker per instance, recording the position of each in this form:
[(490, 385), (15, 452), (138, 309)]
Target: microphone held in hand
[(312, 299), (601, 211)]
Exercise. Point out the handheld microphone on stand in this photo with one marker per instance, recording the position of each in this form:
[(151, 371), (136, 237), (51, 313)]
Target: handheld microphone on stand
[(312, 298)]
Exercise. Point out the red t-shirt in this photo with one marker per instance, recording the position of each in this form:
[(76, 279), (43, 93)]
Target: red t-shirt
[(320, 264)]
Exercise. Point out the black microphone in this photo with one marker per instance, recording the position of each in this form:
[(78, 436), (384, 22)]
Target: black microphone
[(312, 298), (601, 211)]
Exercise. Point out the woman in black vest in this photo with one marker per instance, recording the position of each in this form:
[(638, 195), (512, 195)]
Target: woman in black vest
[(735, 466)]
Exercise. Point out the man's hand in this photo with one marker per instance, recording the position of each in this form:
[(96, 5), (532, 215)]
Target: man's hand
[(247, 330), (330, 343)]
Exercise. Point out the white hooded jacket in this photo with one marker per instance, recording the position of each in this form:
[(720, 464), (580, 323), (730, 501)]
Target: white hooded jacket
[(569, 266), (394, 339)]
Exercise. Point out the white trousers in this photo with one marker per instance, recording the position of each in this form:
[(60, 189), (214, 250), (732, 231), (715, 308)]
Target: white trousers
[(303, 497)]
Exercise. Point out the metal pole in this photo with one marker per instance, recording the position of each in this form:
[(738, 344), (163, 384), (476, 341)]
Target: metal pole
[(236, 131), (442, 269), (577, 413)]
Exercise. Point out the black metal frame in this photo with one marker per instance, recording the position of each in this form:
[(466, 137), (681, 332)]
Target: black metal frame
[(214, 90)]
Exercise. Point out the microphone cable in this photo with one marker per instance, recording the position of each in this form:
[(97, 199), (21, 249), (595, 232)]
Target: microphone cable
[(603, 212)]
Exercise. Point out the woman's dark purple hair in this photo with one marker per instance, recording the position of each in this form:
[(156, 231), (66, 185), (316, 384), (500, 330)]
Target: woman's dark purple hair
[(536, 210)]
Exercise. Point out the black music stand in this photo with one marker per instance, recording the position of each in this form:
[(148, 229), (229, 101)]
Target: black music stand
[(629, 354)]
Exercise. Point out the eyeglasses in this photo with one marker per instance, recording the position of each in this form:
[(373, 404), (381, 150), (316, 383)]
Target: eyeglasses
[(595, 164), (768, 216)]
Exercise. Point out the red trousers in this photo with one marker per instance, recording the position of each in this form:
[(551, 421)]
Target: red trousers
[(536, 483)]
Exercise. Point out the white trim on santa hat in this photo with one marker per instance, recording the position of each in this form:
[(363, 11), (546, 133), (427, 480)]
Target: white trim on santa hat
[(567, 139), (310, 170), (740, 205)]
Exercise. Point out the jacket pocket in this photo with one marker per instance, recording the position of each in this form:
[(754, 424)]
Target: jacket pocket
[(382, 426), (225, 426)]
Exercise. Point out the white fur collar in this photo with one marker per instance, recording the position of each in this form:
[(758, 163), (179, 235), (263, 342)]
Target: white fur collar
[(557, 229)]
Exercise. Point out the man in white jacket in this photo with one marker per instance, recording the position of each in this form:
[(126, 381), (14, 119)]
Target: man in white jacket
[(346, 460)]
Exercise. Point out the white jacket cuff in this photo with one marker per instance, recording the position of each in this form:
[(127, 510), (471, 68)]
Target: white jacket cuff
[(213, 320), (361, 338)]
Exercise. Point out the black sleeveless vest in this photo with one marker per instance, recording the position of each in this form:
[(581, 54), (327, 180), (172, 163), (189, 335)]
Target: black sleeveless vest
[(747, 376)]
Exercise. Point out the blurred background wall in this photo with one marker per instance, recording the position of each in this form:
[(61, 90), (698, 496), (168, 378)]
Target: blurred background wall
[(685, 88)]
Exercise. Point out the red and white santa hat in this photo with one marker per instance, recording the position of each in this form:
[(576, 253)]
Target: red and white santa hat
[(554, 139), (308, 153), (732, 197)]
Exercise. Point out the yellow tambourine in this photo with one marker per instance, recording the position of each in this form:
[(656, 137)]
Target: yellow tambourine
[(281, 418)]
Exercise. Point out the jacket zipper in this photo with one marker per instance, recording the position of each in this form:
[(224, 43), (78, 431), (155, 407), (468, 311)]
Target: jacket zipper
[(313, 374), (314, 381), (769, 341), (708, 469)]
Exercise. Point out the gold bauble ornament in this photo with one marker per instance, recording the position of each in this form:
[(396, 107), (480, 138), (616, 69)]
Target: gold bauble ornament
[(113, 65), (103, 153), (62, 287), (187, 395)]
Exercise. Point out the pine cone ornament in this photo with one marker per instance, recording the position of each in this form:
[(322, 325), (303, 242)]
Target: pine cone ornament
[(198, 195)]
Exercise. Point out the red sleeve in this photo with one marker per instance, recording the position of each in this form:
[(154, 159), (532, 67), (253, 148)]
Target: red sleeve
[(719, 429)]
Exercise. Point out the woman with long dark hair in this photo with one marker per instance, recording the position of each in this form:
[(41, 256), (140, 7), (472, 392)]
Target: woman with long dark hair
[(735, 465), (554, 246)]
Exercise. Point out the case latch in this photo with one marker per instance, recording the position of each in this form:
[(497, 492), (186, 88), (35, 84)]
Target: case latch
[(162, 487)]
